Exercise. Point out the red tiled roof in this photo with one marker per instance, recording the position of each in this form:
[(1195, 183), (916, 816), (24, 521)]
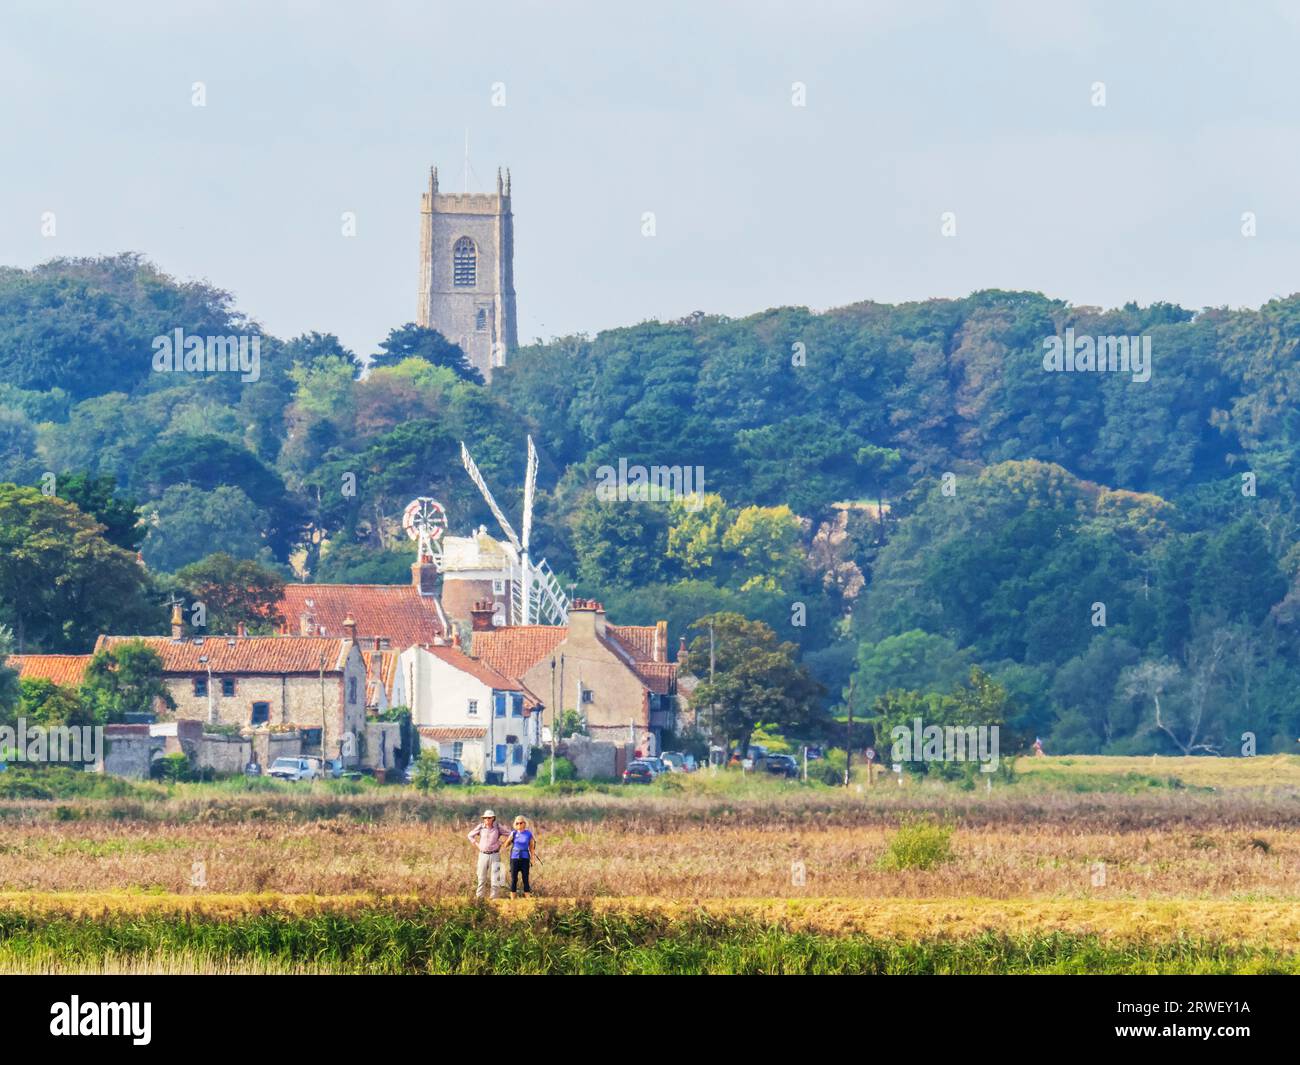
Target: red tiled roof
[(242, 654), (396, 612), (640, 638), (482, 671), (451, 732), (68, 670), (659, 677), (515, 649)]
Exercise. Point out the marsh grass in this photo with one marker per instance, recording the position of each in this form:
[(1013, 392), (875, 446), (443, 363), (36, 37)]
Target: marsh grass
[(572, 938)]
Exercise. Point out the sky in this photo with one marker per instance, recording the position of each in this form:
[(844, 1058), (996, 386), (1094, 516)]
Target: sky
[(985, 115)]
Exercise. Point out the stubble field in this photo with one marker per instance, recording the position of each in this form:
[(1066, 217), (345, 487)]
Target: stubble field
[(1081, 865)]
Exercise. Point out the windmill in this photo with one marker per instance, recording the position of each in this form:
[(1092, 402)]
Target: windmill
[(537, 598), (425, 521)]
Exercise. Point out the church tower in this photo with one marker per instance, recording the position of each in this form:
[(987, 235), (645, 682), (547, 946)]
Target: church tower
[(467, 270)]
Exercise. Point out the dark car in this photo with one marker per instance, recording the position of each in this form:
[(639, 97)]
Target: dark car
[(451, 771), (782, 765), (638, 773)]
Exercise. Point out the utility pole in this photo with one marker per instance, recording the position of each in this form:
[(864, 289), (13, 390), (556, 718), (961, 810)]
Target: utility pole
[(555, 721), (713, 707), (848, 744), (560, 711), (323, 723)]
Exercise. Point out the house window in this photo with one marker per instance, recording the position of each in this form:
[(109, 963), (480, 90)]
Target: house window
[(587, 695), (261, 714), (498, 586), (464, 263), (500, 758), (227, 687), (457, 750), (516, 704), (472, 708), (352, 691), (498, 704), (517, 755), (200, 686)]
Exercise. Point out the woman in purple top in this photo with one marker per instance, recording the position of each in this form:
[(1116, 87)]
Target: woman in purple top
[(523, 845)]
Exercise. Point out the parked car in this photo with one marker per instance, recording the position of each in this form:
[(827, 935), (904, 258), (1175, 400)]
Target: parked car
[(333, 767), (657, 765), (638, 772), (781, 765), (678, 762), (453, 771), (296, 768)]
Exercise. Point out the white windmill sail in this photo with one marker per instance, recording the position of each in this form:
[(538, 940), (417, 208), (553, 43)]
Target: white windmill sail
[(537, 596)]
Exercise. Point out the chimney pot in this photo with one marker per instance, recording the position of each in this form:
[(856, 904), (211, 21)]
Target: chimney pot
[(350, 628)]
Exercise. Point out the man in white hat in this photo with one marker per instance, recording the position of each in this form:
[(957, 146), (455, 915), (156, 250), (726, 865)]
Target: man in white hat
[(488, 837)]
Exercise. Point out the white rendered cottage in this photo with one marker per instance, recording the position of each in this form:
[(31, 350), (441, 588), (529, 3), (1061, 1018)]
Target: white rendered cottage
[(465, 709)]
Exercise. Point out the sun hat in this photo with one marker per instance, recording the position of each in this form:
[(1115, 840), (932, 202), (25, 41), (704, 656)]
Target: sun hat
[(488, 813)]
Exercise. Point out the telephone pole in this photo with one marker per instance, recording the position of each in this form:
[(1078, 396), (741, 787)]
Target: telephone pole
[(848, 743)]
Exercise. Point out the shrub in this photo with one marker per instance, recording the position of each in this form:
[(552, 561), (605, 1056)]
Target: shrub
[(171, 768), (919, 843), (564, 770), (830, 769), (427, 776)]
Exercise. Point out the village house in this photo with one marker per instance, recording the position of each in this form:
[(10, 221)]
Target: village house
[(386, 615), (315, 684), (67, 671), (463, 708), (616, 677)]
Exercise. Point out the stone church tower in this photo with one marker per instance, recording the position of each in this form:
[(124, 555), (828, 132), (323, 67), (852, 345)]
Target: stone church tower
[(467, 270)]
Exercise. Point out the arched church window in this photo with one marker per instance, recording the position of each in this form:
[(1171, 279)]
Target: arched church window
[(481, 322), (464, 263)]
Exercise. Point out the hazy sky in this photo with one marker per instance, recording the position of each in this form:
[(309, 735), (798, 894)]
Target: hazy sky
[(613, 109)]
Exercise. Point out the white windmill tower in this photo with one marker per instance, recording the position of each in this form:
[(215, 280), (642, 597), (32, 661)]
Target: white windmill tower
[(537, 597)]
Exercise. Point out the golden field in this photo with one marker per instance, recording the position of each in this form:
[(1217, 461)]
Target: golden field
[(1080, 864)]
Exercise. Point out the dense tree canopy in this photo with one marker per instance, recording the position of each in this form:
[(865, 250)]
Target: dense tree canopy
[(900, 493)]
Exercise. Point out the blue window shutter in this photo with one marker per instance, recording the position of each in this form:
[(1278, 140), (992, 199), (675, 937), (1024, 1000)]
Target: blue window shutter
[(516, 704), (499, 704), (501, 754)]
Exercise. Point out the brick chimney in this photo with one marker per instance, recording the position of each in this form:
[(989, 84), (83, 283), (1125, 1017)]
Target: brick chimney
[(661, 641), (683, 656), (481, 615), (306, 622), (241, 629), (424, 577), (350, 628), (178, 624)]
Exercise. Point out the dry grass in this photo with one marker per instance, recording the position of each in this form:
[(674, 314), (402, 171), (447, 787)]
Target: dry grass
[(1144, 857), (1270, 771)]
